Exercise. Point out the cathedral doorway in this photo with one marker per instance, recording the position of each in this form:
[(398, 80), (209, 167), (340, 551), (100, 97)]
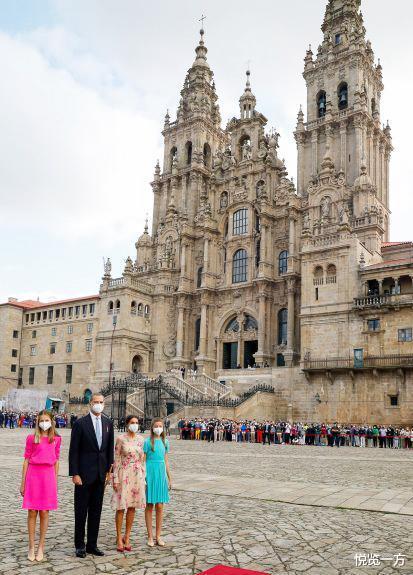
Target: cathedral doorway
[(230, 355), (240, 342), (250, 347), (137, 364)]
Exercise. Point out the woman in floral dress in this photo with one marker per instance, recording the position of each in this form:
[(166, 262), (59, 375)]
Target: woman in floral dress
[(128, 480)]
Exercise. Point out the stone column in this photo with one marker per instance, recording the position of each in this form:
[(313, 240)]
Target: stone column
[(291, 314), (180, 331), (396, 285), (359, 144), (376, 163), (343, 146), (291, 236), (203, 340), (206, 255), (380, 282), (183, 259), (382, 175), (314, 152), (261, 324), (300, 167)]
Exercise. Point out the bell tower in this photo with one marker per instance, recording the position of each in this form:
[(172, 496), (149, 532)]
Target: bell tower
[(343, 130), (189, 143)]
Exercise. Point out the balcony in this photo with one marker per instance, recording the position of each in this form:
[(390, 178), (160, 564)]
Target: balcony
[(396, 361), (379, 301)]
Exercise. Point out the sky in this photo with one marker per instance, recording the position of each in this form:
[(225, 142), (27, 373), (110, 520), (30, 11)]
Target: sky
[(84, 91)]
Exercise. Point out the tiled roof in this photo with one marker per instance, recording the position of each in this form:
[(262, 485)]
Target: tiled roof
[(389, 244), (30, 304), (25, 304), (389, 263)]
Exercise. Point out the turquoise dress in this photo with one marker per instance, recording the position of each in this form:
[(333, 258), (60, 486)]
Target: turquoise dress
[(156, 479)]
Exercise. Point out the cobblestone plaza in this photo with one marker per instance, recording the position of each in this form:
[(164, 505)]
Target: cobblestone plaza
[(277, 509)]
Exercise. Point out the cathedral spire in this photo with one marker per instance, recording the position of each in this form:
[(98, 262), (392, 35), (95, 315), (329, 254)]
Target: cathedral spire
[(247, 101), (198, 95)]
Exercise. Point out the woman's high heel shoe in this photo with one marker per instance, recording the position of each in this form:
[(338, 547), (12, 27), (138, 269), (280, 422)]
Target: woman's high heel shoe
[(126, 547), (39, 556), (160, 542), (31, 556)]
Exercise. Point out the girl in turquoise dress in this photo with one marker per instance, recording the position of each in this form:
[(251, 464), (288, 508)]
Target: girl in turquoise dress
[(158, 478)]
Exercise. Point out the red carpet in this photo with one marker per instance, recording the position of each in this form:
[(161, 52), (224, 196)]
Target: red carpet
[(222, 570)]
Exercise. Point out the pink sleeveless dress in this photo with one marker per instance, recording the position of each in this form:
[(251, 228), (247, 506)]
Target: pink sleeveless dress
[(40, 489)]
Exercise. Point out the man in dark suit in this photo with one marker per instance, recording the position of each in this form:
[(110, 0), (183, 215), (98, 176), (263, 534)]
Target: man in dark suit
[(90, 460)]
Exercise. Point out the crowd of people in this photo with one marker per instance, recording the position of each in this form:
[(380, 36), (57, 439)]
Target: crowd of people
[(27, 419), (297, 433)]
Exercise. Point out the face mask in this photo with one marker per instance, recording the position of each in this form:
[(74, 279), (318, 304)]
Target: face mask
[(97, 407), (45, 425), (158, 430), (133, 427)]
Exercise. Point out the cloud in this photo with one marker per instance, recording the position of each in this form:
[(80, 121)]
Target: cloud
[(82, 103), (75, 154)]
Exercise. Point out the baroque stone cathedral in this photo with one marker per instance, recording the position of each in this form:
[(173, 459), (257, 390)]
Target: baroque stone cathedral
[(244, 269)]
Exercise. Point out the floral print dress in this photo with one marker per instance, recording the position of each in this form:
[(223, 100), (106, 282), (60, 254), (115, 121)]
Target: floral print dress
[(129, 473)]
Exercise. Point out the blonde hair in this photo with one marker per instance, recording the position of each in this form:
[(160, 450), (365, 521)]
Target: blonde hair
[(51, 432), (162, 436)]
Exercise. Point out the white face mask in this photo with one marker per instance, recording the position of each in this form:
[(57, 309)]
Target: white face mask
[(45, 425), (97, 407), (158, 430), (133, 427)]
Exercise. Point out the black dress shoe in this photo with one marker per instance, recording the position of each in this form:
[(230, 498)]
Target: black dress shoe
[(94, 551), (81, 553)]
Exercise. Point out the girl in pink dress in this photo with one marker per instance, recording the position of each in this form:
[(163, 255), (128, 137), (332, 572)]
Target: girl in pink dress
[(39, 479)]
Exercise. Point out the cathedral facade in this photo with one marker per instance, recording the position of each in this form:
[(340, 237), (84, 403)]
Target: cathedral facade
[(247, 276)]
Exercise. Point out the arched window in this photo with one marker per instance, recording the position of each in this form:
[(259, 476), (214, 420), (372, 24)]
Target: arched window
[(342, 96), (232, 326), (373, 105), (207, 155), (239, 267), (250, 323), (197, 333), (110, 307), (133, 307), (140, 309), (283, 262), (173, 155), (199, 277), (318, 276), (87, 395), (188, 147), (321, 104), (331, 277), (117, 306), (147, 310), (240, 222), (282, 326)]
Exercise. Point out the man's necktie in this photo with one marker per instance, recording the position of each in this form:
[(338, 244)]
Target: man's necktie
[(98, 430)]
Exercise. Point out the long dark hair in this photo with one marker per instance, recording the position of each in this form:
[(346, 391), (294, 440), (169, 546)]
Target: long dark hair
[(162, 436)]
